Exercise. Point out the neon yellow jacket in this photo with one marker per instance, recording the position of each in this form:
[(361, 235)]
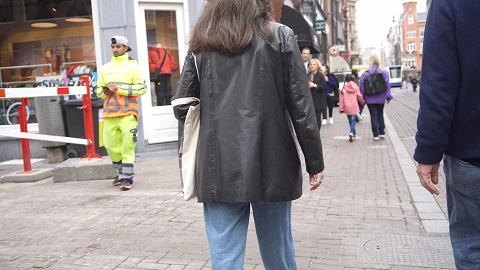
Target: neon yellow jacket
[(127, 73)]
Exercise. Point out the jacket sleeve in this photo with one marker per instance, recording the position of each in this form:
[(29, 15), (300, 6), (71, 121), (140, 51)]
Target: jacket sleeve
[(173, 64), (388, 93), (341, 101), (319, 80), (440, 84), (152, 60), (137, 87), (332, 81), (362, 83), (299, 102), (359, 96), (100, 84), (189, 86)]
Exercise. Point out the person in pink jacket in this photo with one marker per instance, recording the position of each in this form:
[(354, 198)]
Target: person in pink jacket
[(350, 97)]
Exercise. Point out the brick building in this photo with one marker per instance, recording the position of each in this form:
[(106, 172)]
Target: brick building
[(413, 28)]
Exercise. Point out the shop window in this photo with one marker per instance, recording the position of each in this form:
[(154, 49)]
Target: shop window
[(51, 46), (6, 11), (162, 37)]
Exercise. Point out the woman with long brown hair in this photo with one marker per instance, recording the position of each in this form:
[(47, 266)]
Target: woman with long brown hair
[(247, 72)]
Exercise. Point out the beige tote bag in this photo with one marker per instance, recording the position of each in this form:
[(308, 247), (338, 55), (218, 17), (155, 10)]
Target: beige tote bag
[(191, 130)]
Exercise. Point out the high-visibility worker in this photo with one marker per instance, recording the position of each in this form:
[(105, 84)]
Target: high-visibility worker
[(121, 82)]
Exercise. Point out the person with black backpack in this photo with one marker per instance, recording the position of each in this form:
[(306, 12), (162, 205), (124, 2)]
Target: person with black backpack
[(375, 88)]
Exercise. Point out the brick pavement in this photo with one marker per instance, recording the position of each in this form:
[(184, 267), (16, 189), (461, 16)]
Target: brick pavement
[(92, 225)]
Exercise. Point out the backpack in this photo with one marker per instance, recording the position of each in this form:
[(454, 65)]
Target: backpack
[(375, 84)]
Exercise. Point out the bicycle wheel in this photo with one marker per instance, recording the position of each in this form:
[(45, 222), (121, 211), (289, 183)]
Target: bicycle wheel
[(11, 107)]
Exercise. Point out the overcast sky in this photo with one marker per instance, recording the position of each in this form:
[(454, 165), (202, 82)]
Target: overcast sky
[(374, 19)]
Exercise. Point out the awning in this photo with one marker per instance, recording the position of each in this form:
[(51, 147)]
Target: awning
[(303, 31)]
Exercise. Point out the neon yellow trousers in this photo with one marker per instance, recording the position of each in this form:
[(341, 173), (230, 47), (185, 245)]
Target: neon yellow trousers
[(120, 138)]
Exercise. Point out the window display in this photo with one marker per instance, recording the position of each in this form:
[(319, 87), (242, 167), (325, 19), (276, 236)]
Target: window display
[(162, 54), (43, 38)]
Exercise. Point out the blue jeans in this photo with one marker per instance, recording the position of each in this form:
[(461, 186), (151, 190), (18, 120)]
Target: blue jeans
[(227, 224), (352, 120), (376, 117), (463, 202)]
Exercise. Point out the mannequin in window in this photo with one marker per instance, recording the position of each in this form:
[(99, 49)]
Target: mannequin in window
[(58, 58), (161, 59)]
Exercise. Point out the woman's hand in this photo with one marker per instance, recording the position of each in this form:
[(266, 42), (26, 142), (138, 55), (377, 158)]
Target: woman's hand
[(316, 180), (312, 85)]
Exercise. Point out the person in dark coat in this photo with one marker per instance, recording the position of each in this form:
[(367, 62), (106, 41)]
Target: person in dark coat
[(317, 86), (331, 88), (414, 84), (249, 76), (446, 126)]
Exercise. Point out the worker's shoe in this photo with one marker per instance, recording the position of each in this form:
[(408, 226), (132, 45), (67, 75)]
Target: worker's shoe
[(116, 181), (126, 184)]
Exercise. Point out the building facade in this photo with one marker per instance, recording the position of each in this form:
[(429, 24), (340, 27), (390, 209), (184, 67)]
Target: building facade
[(352, 32), (54, 42), (413, 29)]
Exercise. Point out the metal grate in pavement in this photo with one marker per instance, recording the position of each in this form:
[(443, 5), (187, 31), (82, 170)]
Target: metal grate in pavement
[(410, 250)]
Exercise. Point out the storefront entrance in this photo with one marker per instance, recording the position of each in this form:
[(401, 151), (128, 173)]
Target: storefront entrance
[(162, 28)]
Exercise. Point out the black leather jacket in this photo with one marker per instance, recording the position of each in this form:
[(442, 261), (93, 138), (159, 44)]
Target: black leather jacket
[(247, 150)]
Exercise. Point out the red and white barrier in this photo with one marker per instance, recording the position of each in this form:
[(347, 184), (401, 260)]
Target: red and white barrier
[(41, 91), (25, 93)]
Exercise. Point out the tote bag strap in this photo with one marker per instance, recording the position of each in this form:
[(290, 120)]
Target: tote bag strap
[(196, 66), (184, 100)]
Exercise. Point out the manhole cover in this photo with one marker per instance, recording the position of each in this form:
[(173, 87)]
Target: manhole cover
[(423, 251)]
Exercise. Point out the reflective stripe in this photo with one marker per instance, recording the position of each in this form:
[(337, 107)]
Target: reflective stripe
[(112, 101), (120, 110), (117, 165), (130, 88), (126, 102), (127, 169), (119, 105)]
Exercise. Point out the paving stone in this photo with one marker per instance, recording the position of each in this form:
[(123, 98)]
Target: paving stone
[(85, 224)]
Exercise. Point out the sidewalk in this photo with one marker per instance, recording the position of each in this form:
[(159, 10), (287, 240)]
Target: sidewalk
[(364, 216)]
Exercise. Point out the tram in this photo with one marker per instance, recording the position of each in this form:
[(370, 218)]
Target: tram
[(395, 74)]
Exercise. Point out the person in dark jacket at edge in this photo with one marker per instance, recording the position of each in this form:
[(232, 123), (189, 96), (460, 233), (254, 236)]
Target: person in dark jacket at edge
[(331, 87), (251, 75), (449, 111)]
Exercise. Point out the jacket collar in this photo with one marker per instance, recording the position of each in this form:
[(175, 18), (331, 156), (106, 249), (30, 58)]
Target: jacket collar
[(373, 68), (120, 58)]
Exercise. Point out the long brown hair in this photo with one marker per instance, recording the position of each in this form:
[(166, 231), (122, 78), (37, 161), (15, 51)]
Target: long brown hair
[(229, 26)]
